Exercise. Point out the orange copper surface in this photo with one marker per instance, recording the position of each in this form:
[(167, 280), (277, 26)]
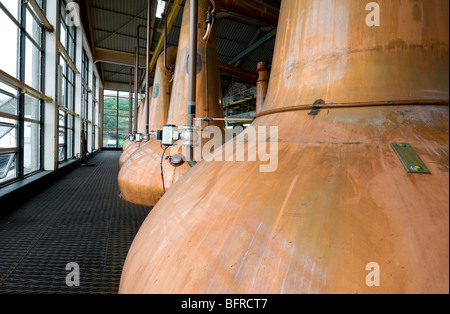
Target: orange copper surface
[(140, 178), (162, 88), (262, 85), (129, 147), (340, 198)]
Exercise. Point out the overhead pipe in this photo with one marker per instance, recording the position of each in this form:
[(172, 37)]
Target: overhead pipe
[(147, 73), (165, 16), (211, 13), (237, 72), (192, 96), (251, 9), (130, 103), (136, 78)]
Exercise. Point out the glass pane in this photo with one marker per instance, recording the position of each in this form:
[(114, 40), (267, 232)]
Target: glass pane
[(8, 133), (124, 104), (61, 153), (124, 113), (7, 167), (32, 65), (110, 103), (8, 102), (69, 144), (123, 123), (62, 118), (110, 122), (31, 147), (9, 34), (63, 35), (70, 99), (32, 108), (109, 112), (13, 7), (71, 49), (110, 138), (123, 134), (62, 136), (110, 93), (70, 122), (33, 28)]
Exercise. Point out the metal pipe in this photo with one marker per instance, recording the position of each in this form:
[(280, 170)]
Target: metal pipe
[(165, 15), (130, 103), (136, 91), (210, 20), (235, 71), (147, 74), (192, 96), (136, 79)]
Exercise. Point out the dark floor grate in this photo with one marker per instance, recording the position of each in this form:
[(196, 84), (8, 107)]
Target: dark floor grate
[(79, 219)]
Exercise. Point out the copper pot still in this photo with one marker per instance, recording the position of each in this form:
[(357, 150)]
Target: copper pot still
[(140, 179), (340, 214)]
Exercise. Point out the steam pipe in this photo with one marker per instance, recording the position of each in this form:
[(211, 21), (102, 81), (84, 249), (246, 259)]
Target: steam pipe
[(130, 103), (210, 20), (165, 36), (147, 74), (136, 80), (136, 91), (192, 96), (237, 72)]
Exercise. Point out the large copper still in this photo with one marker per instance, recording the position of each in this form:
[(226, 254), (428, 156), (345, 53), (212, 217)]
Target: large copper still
[(140, 179), (341, 93), (130, 147), (159, 104)]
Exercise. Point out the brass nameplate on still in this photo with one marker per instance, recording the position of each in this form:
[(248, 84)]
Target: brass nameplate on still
[(409, 158)]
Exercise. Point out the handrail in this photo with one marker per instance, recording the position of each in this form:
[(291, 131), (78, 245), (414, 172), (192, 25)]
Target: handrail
[(24, 88), (40, 14)]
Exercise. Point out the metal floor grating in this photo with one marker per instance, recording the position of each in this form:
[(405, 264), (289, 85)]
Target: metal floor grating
[(78, 219)]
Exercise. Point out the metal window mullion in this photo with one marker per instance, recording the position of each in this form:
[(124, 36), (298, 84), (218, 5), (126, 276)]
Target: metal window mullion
[(117, 122), (65, 135), (21, 100), (42, 109), (32, 40)]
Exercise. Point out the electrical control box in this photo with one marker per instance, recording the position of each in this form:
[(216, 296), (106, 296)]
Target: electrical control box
[(170, 135)]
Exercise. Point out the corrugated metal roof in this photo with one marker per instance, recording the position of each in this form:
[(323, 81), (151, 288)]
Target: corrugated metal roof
[(114, 24)]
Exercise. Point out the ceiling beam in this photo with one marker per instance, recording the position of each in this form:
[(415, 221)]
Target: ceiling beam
[(91, 33), (123, 87), (118, 33), (253, 47), (118, 57)]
